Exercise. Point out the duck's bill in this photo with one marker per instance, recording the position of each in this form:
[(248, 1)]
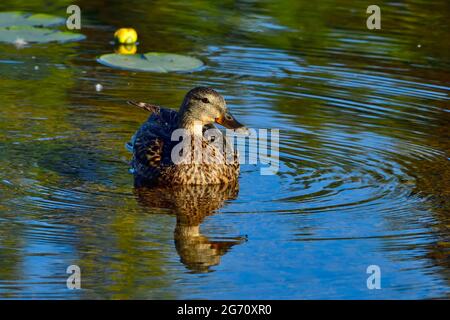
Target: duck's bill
[(228, 121)]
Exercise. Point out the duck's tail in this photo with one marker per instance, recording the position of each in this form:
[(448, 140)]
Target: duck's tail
[(152, 108)]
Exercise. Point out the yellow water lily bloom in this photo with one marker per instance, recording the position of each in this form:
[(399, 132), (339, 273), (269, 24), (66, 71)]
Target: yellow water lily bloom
[(126, 35)]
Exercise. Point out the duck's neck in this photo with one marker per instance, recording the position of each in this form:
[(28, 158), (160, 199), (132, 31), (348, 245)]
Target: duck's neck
[(194, 127)]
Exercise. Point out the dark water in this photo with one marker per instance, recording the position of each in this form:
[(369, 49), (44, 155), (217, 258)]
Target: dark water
[(364, 174)]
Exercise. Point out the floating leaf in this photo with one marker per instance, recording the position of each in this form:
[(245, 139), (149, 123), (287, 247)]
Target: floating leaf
[(24, 34), (18, 18), (151, 61)]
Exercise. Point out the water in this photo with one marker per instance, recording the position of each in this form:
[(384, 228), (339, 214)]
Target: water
[(364, 175)]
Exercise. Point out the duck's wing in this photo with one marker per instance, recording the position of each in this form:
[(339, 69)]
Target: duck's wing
[(152, 143), (152, 108), (164, 118)]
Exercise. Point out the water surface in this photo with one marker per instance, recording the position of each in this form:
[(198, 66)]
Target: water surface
[(364, 175)]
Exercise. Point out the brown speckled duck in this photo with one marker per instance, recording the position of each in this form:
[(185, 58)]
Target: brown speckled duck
[(153, 149)]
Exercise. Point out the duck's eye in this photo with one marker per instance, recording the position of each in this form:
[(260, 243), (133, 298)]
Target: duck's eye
[(228, 117), (205, 100)]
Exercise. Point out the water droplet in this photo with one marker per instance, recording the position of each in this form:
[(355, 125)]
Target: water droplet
[(20, 43), (98, 87)]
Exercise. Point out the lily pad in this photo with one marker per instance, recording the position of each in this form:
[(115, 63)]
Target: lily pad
[(25, 34), (18, 18), (151, 61)]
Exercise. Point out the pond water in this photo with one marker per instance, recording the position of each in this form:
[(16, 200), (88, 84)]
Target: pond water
[(364, 176)]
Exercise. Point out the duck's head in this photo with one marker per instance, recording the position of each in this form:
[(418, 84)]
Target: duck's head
[(205, 106)]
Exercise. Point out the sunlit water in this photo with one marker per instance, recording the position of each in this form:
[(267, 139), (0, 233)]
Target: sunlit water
[(364, 175)]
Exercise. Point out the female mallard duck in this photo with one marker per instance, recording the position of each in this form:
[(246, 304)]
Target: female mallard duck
[(198, 159)]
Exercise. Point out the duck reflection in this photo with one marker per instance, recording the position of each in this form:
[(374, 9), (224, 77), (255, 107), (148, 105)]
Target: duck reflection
[(192, 204)]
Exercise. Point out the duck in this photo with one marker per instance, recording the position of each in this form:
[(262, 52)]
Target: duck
[(185, 147)]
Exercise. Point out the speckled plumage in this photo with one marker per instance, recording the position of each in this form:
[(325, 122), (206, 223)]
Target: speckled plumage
[(152, 147)]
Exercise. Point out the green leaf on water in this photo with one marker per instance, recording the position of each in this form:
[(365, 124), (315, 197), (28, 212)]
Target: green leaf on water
[(151, 61), (18, 18), (15, 34)]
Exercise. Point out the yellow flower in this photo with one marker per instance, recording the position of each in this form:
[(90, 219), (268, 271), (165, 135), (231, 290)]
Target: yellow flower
[(126, 35), (126, 49)]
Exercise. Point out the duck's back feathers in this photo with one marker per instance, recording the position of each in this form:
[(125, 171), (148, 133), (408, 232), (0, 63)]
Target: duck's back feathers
[(152, 142)]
